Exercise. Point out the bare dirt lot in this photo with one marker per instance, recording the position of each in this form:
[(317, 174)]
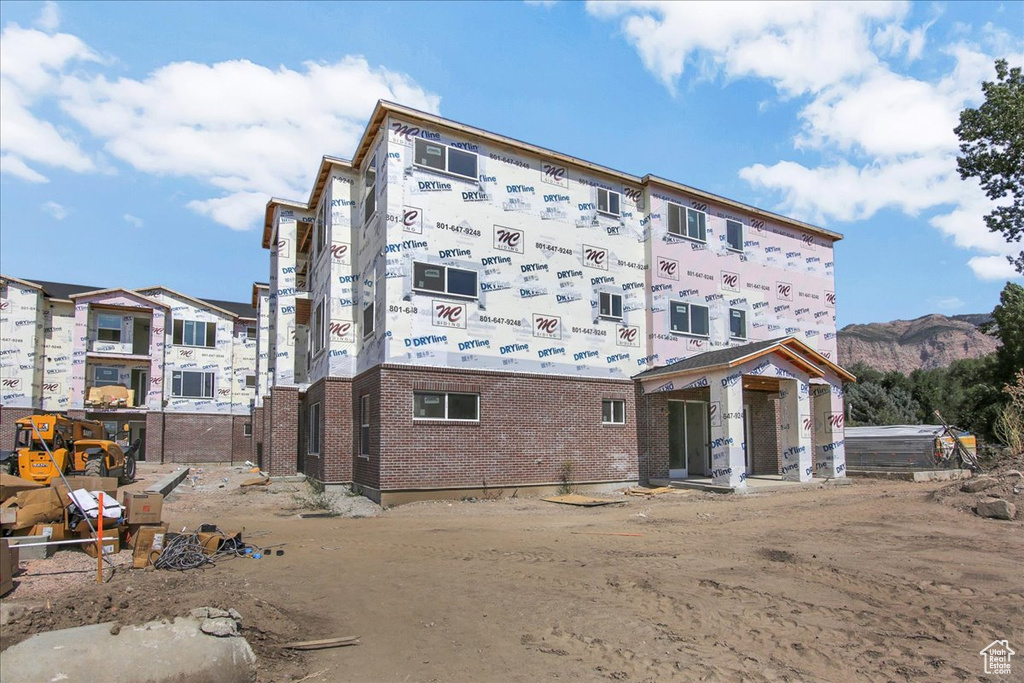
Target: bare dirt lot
[(876, 581)]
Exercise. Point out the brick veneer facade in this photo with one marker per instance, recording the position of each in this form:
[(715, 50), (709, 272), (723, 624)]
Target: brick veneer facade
[(280, 449), (197, 438), (8, 416)]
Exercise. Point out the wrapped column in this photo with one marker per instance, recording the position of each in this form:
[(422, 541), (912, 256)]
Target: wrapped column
[(829, 434), (795, 428), (728, 464)]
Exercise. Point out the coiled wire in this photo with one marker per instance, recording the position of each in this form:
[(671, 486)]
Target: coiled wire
[(185, 551)]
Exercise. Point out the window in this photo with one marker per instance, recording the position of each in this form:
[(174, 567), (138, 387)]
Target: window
[(320, 225), (444, 406), (613, 411), (192, 384), (368, 320), (737, 324), (446, 159), (108, 327), (687, 222), (313, 441), (608, 202), (364, 425), (444, 280), (247, 429), (370, 190), (194, 333), (689, 318), (734, 235), (319, 340), (250, 381), (250, 333), (105, 377), (611, 306)]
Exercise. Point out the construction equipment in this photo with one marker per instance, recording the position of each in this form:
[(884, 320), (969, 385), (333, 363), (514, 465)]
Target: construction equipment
[(77, 447)]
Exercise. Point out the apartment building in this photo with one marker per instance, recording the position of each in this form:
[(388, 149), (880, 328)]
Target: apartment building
[(455, 311), (177, 372)]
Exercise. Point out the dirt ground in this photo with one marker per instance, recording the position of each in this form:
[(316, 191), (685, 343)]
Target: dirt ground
[(875, 581)]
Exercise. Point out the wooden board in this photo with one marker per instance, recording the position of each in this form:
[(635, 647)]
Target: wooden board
[(577, 499)]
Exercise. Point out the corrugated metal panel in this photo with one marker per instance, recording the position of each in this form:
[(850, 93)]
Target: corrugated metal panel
[(896, 446)]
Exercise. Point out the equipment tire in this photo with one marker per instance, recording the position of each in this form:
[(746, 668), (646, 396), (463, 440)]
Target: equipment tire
[(128, 470), (94, 467)]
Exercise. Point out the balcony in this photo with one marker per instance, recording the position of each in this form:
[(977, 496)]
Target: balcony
[(112, 397)]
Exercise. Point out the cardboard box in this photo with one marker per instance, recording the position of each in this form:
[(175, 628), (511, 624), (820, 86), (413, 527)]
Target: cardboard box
[(149, 542), (55, 531), (8, 516), (11, 485), (9, 558), (35, 506), (105, 484), (111, 542), (142, 508)]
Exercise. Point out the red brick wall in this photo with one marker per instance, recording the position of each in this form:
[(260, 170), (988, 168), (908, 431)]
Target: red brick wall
[(366, 470), (195, 438), (257, 434), (764, 407), (239, 441), (154, 437), (337, 448), (8, 416), (280, 457), (529, 427)]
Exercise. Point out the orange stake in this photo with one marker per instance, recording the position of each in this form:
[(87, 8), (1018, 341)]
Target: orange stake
[(99, 541)]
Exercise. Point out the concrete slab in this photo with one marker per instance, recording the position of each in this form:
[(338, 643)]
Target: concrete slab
[(911, 475), (167, 484), (157, 652), (755, 484)]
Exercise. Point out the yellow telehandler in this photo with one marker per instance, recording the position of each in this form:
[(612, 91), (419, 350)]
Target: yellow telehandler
[(78, 447)]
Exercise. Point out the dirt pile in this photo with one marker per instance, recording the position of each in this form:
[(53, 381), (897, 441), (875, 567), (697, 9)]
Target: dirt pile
[(1006, 483)]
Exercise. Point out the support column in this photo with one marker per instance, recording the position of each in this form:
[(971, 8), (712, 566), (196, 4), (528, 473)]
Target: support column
[(795, 415), (829, 430), (284, 432), (728, 466)]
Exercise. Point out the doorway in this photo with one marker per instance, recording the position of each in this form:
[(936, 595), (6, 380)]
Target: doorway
[(140, 385), (688, 445), (140, 337), (137, 430)]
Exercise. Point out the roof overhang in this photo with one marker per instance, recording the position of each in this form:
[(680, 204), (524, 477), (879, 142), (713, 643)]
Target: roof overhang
[(256, 287), (24, 283), (118, 290), (268, 216), (790, 349), (204, 304)]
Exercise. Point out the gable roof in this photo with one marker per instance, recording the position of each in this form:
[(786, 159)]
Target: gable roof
[(65, 290), (790, 348)]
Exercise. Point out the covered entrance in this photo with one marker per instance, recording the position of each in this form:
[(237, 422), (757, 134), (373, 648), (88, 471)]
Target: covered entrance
[(768, 409)]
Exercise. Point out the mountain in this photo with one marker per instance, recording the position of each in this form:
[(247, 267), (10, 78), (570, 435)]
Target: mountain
[(931, 341)]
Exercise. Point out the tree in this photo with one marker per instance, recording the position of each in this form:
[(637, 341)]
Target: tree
[(992, 150), (1008, 324)]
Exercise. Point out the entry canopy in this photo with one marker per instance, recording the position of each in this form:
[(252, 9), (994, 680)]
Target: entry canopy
[(790, 349)]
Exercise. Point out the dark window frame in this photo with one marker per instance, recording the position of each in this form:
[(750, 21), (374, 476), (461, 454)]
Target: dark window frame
[(689, 318), (445, 277), (208, 384), (446, 406), (446, 163)]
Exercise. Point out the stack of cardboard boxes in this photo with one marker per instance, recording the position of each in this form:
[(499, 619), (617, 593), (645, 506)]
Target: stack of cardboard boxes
[(36, 513)]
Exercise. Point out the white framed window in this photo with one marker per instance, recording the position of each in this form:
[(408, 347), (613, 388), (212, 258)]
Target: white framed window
[(313, 440), (687, 222), (368, 319), (250, 332), (186, 384), (108, 327), (104, 376), (427, 277), (737, 323), (250, 381), (319, 329), (611, 306), (689, 319), (370, 190), (608, 202), (194, 333), (428, 405), (734, 235), (364, 425), (613, 411), (439, 157), (320, 225), (247, 429)]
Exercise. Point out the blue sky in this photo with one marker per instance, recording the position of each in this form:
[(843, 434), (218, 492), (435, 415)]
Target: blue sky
[(139, 142)]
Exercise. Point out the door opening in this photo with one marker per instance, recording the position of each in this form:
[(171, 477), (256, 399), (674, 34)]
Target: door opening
[(689, 447)]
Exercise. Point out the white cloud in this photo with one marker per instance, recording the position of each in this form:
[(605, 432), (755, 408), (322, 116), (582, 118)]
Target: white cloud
[(57, 211), (887, 137), (541, 3), (133, 221), (31, 63), (992, 268), (948, 303), (49, 17), (243, 130)]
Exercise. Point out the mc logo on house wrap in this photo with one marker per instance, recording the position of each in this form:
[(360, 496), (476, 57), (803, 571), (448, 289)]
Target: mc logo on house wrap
[(830, 299), (508, 239), (12, 383), (627, 335), (595, 257), (341, 331), (412, 220), (406, 134), (448, 314), (730, 281), (667, 268), (695, 344), (836, 420), (340, 253), (547, 326), (784, 291), (554, 175)]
